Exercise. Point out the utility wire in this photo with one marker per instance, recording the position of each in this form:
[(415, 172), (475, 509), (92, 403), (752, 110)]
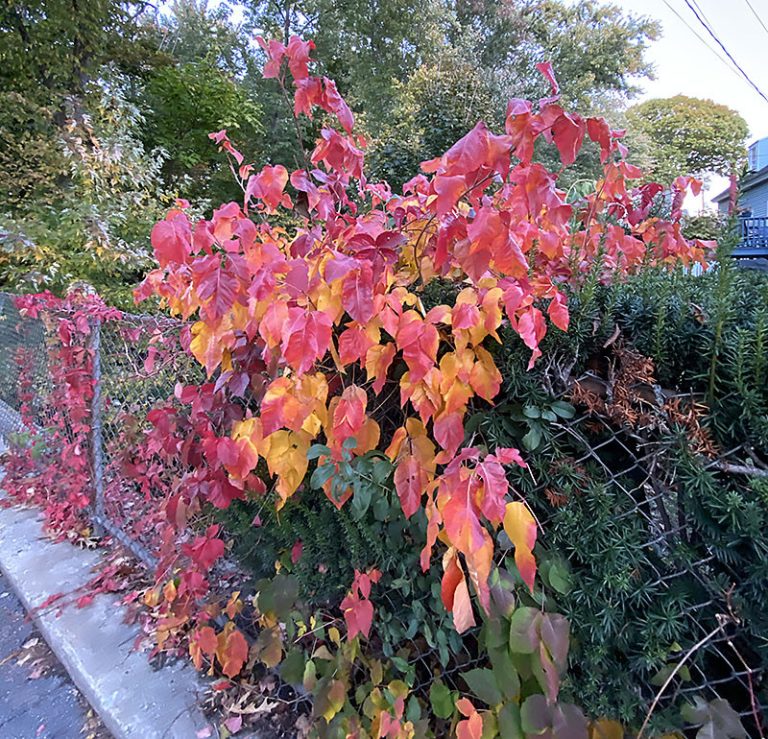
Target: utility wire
[(702, 39), (754, 12), (727, 53)]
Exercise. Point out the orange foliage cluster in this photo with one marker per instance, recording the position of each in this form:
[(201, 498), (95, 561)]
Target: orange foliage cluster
[(317, 319)]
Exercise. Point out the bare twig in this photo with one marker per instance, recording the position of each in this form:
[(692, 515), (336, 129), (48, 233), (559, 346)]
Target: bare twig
[(722, 621), (740, 469), (756, 713)]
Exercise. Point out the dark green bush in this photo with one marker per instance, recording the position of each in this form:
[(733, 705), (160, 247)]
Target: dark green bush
[(641, 572)]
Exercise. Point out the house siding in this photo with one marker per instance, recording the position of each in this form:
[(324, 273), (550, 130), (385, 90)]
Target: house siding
[(756, 200)]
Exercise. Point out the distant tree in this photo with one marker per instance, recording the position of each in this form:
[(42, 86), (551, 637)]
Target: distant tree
[(94, 224), (433, 108), (595, 48), (364, 45), (690, 135), (185, 102), (193, 30)]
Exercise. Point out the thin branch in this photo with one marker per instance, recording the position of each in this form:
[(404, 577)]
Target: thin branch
[(723, 620), (740, 469)]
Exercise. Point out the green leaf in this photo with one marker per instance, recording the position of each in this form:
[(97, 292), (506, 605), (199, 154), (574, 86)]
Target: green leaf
[(441, 700), (533, 438), (531, 411), (321, 475), (361, 499), (292, 667), (563, 409), (381, 509), (381, 470), (510, 726), (507, 677), (318, 450), (413, 711), (482, 683), (523, 630), (560, 577)]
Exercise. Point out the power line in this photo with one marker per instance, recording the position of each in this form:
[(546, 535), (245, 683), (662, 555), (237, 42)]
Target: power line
[(702, 39), (701, 12), (754, 12), (722, 46)]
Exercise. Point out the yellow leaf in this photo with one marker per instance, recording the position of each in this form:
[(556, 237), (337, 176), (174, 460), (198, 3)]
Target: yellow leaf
[(206, 346), (331, 700), (286, 455), (520, 527), (605, 729)]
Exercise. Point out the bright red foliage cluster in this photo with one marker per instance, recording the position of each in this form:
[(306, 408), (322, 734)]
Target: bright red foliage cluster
[(58, 433), (313, 323), (306, 333)]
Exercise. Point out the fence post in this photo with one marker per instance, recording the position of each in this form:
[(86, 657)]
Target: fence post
[(96, 431)]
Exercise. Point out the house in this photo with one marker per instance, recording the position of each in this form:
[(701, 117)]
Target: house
[(753, 203)]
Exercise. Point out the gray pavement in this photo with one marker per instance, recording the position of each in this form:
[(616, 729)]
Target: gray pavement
[(37, 699)]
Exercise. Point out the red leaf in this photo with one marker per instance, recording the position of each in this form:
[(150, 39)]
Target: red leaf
[(418, 341), (268, 186), (448, 190), (171, 240), (205, 550), (568, 132), (306, 337), (296, 551), (411, 481), (549, 74), (349, 415), (449, 431), (298, 52), (358, 614), (216, 287), (558, 311), (357, 293)]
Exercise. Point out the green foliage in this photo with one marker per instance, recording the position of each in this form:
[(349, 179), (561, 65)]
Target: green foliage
[(433, 108), (94, 227), (596, 48), (691, 136), (185, 103)]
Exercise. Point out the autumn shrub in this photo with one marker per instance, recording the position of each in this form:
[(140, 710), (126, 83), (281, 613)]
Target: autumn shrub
[(333, 375), (389, 378)]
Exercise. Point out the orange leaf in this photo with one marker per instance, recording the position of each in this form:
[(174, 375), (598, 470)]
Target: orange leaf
[(455, 593), (231, 650)]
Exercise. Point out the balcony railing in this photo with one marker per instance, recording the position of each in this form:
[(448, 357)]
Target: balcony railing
[(753, 238)]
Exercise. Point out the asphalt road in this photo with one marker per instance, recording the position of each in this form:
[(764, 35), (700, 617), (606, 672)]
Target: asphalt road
[(37, 699)]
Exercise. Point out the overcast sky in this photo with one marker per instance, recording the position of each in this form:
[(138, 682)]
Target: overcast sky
[(684, 64)]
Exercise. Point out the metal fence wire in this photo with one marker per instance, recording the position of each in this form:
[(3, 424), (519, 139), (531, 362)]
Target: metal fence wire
[(136, 362), (633, 472), (654, 561)]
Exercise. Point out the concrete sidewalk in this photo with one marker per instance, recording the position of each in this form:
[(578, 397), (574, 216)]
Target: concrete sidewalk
[(93, 644), (37, 698)]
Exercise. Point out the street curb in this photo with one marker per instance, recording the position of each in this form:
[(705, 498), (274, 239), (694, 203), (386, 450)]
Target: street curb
[(134, 700)]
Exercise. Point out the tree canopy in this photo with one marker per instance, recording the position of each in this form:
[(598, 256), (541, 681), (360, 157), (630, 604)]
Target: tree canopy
[(416, 81), (690, 135)]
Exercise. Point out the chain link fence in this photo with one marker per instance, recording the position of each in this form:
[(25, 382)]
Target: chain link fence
[(660, 585), (135, 363), (670, 596)]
